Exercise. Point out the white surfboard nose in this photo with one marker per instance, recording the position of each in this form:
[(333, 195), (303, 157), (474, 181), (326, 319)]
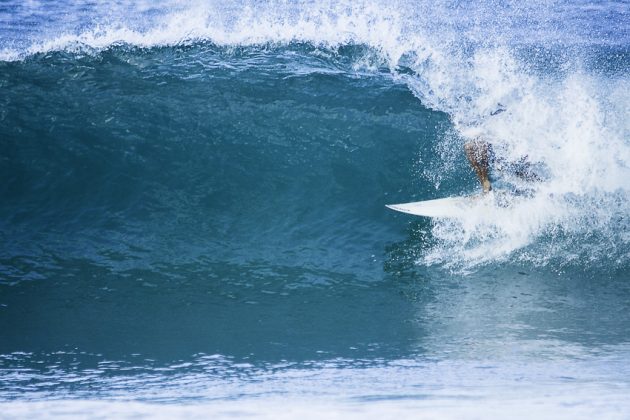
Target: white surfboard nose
[(454, 207)]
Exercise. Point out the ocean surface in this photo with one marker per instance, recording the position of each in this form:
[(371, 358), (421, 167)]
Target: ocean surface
[(193, 220)]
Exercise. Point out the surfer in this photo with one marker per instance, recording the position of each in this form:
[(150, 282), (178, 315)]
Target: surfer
[(480, 155)]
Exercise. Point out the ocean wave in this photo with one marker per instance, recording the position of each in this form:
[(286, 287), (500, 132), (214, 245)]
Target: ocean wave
[(566, 118)]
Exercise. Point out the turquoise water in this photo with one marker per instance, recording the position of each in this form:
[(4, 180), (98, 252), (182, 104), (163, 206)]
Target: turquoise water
[(193, 213)]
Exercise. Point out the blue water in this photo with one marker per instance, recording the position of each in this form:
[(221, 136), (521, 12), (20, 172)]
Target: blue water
[(193, 221)]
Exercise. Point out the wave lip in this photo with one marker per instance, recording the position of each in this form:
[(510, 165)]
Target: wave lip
[(390, 26)]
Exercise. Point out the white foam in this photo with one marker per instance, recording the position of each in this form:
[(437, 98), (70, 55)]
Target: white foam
[(581, 136), (581, 404)]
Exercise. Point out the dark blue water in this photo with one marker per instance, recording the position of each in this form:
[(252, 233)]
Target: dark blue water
[(192, 209)]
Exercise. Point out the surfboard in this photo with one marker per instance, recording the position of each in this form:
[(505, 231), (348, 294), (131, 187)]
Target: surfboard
[(441, 207), (454, 207)]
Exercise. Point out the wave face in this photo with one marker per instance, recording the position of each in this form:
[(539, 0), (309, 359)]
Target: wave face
[(201, 186)]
